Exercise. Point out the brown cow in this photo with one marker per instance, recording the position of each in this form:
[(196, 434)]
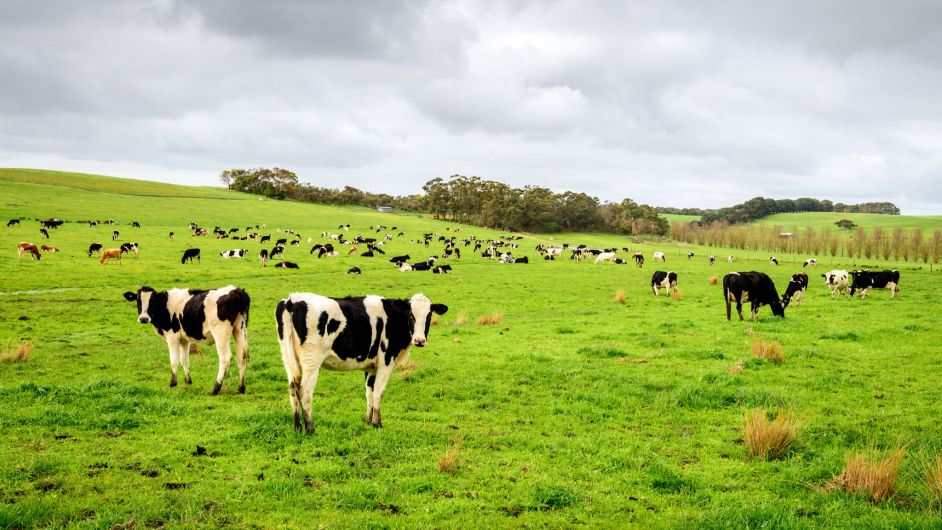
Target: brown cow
[(110, 253), (49, 248), (24, 247)]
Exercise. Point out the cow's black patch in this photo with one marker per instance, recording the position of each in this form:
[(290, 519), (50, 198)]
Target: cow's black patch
[(370, 381), (374, 349), (156, 308), (332, 326), (354, 341), (398, 327), (194, 314), (279, 311), (299, 319), (232, 304), (322, 323)]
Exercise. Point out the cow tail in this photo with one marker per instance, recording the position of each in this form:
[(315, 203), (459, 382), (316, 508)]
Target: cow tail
[(290, 346), (726, 297)]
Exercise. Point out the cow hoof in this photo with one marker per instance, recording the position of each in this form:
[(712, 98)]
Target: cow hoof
[(309, 429), (173, 381), (188, 381), (242, 388), (216, 389), (297, 422)]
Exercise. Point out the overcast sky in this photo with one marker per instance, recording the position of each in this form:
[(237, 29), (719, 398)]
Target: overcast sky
[(672, 103)]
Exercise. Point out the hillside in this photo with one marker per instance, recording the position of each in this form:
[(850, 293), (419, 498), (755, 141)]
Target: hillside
[(819, 220)]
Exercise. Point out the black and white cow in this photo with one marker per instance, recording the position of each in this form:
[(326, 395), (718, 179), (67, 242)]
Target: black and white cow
[(127, 248), (44, 232), (795, 290), (114, 235), (441, 269), (13, 222), (171, 236), (265, 238), (754, 287), (639, 259), (94, 248), (182, 316), (263, 257), (286, 265), (689, 256), (837, 282), (865, 280), (659, 256), (371, 333), (712, 259), (400, 259), (810, 261), (773, 260), (276, 250), (237, 253), (354, 270), (189, 254), (522, 259), (663, 280)]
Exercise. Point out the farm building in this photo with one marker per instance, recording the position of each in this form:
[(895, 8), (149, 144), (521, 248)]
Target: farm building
[(384, 209)]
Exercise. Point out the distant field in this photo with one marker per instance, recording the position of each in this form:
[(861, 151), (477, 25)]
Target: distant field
[(680, 218), (574, 410), (819, 220)]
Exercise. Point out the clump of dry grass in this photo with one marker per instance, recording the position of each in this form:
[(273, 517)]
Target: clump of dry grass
[(714, 280), (736, 368), (676, 296), (933, 481), (195, 349), (620, 296), (462, 319), (16, 354), (769, 350), (449, 462), (434, 320), (491, 320), (769, 439), (869, 475), (406, 368)]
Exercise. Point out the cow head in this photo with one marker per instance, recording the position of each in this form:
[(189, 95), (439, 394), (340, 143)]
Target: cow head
[(778, 309), (420, 317), (143, 297)]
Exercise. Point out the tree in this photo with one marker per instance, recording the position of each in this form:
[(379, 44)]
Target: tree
[(846, 223)]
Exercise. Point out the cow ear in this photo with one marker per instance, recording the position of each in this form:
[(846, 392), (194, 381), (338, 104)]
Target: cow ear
[(440, 309), (130, 297)]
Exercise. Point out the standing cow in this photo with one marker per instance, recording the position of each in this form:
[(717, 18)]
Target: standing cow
[(795, 289), (663, 280), (370, 333), (754, 287), (865, 280), (182, 316), (836, 281)]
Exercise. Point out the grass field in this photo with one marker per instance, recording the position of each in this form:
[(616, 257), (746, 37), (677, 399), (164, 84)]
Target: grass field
[(574, 410), (820, 220)]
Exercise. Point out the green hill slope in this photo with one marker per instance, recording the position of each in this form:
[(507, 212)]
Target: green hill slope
[(819, 220)]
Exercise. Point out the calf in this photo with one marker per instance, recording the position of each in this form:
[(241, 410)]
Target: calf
[(184, 316), (44, 233), (237, 253), (659, 256), (810, 261), (114, 235), (110, 253), (354, 270), (25, 247), (49, 248), (755, 287), (94, 248), (263, 257), (796, 289), (836, 281), (286, 265), (865, 280), (189, 254), (371, 333), (663, 280)]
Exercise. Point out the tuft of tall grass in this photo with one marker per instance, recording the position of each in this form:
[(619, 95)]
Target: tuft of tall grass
[(769, 439), (434, 320), (869, 475), (714, 280), (16, 354), (491, 320), (933, 481), (449, 462), (620, 296), (769, 350), (676, 296), (406, 368), (462, 319)]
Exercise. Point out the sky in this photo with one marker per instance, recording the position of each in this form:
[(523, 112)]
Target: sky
[(670, 103)]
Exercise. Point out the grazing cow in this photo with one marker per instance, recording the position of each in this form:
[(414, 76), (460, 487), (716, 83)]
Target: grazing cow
[(129, 247), (354, 270), (755, 287), (189, 254), (554, 252), (13, 222), (183, 316), (110, 253), (522, 259), (795, 290), (371, 333), (605, 256), (171, 236), (663, 280), (865, 280), (810, 261), (659, 256), (237, 253), (639, 259), (281, 242), (400, 259), (49, 248), (265, 238), (286, 265), (712, 259), (51, 223), (24, 247), (94, 248), (276, 250), (773, 260), (263, 257), (689, 256), (114, 235), (729, 259), (44, 233), (135, 224), (441, 269), (836, 281)]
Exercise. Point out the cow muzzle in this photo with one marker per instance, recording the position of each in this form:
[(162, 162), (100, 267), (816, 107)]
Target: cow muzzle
[(418, 341), (144, 320)]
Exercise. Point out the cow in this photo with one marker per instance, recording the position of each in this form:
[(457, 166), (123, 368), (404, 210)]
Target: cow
[(94, 248), (13, 222), (712, 259), (114, 235), (729, 259), (44, 233), (773, 260), (110, 253), (554, 252), (810, 261), (795, 289), (51, 223), (286, 265), (639, 259), (354, 270), (659, 256), (755, 287), (400, 259), (25, 247), (281, 242), (263, 257), (405, 267), (135, 224), (663, 280), (276, 250), (689, 256), (185, 316), (171, 236), (189, 254), (265, 238), (49, 248), (522, 259), (129, 247), (370, 333), (836, 281), (441, 269), (605, 256), (237, 253), (865, 280)]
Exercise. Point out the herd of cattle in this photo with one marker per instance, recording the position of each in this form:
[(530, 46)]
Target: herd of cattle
[(373, 334)]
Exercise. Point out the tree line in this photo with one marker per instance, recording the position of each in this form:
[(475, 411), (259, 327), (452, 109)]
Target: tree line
[(469, 200), (759, 207)]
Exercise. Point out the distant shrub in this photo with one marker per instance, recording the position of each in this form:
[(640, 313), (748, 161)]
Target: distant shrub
[(620, 296), (769, 440), (449, 462), (769, 350), (491, 320), (16, 354), (869, 475), (714, 280)]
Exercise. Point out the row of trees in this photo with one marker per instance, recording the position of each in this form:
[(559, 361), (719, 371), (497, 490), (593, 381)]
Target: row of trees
[(496, 205), (897, 244), (759, 207)]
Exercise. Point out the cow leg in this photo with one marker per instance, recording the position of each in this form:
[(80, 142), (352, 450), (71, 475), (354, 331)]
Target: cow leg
[(382, 377), (310, 371), (739, 308), (294, 389), (225, 357), (242, 350), (174, 346), (184, 349), (369, 383)]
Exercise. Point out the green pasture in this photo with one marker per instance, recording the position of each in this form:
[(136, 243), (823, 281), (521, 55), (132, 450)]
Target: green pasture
[(869, 221), (573, 411)]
